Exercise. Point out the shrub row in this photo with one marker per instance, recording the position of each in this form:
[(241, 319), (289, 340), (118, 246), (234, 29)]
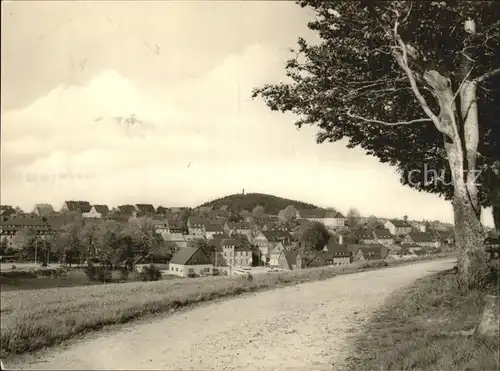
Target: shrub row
[(34, 273)]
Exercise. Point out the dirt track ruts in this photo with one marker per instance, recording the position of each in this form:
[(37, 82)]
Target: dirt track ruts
[(303, 327)]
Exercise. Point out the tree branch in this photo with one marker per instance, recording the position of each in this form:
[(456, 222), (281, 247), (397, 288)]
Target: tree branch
[(348, 113), (487, 76), (402, 60), (461, 86)]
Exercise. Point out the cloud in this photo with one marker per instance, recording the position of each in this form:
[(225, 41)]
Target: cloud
[(196, 121), (205, 138)]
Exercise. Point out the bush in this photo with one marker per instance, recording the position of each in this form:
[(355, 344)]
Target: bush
[(374, 264), (192, 275), (18, 274), (119, 274), (150, 273), (98, 273), (57, 272)]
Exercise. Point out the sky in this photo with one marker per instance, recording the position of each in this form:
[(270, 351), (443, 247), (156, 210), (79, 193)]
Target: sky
[(186, 70)]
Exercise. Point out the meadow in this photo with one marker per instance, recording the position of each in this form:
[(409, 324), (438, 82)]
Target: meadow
[(33, 319), (427, 327)]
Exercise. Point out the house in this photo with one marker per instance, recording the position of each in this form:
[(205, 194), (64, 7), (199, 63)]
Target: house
[(97, 211), (178, 240), (78, 206), (264, 240), (372, 252), (398, 227), (43, 210), (218, 214), (274, 254), (175, 227), (239, 228), (334, 219), (424, 239), (236, 253), (266, 222), (330, 218), (196, 226), (395, 250), (366, 236), (288, 260), (367, 252), (194, 237), (340, 255), (421, 227), (309, 259), (212, 229), (15, 224), (160, 226), (190, 260), (145, 209), (126, 210), (316, 215), (383, 237)]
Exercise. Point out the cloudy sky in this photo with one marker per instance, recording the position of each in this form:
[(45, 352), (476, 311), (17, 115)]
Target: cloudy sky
[(186, 69)]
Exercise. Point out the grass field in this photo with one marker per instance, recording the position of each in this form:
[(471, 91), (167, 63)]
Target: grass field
[(425, 328), (8, 266), (34, 319)]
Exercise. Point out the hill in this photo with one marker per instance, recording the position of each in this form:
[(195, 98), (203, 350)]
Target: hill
[(271, 204)]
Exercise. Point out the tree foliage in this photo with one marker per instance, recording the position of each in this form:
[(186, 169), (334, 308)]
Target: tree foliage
[(313, 236), (351, 86), (258, 210), (372, 222), (272, 204), (353, 218), (289, 212)]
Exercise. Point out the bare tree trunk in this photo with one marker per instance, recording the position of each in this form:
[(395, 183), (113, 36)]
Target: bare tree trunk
[(496, 219), (458, 122), (462, 153)]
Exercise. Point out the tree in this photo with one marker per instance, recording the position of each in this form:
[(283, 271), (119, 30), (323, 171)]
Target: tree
[(258, 210), (89, 236), (26, 241), (234, 217), (353, 218), (3, 246), (380, 67), (289, 212), (373, 223), (313, 236), (69, 244)]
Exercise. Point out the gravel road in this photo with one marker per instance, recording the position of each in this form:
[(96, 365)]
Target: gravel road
[(303, 327)]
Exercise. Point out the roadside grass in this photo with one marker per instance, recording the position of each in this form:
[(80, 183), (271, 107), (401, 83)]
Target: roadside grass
[(33, 319), (427, 327)]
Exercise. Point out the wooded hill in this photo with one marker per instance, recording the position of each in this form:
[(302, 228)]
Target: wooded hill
[(272, 204)]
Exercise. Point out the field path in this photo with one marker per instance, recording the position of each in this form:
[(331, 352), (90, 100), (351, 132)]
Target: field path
[(303, 327)]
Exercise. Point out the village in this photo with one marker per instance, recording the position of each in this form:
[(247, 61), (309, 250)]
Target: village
[(215, 240)]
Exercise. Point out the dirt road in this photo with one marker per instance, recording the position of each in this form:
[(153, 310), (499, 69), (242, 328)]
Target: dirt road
[(302, 327)]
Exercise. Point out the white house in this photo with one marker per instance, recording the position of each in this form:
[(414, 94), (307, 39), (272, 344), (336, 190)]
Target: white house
[(212, 229), (398, 227), (330, 218), (190, 260), (96, 211)]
